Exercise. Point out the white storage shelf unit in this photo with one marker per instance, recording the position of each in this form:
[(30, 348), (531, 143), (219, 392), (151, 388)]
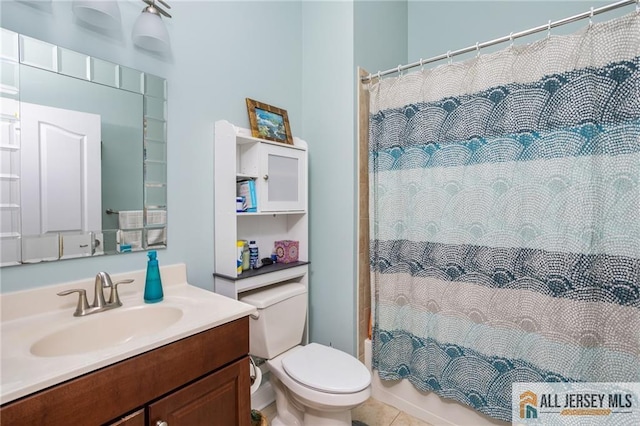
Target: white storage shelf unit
[(280, 175)]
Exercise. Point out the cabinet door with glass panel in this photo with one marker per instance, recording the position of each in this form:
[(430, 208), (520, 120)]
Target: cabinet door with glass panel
[(281, 185)]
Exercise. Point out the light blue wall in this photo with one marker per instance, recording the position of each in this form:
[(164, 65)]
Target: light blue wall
[(222, 52), (380, 34), (335, 36), (436, 27), (327, 111)]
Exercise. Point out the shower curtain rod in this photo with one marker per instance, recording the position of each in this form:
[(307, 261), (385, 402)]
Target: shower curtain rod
[(510, 37)]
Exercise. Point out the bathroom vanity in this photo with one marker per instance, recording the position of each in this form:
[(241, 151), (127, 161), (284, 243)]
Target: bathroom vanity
[(193, 371), (186, 382)]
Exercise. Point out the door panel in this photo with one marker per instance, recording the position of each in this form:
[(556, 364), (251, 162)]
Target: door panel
[(61, 178), (60, 182), (61, 175), (221, 398)]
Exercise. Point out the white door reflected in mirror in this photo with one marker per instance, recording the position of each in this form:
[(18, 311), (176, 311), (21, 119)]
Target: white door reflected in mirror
[(61, 181)]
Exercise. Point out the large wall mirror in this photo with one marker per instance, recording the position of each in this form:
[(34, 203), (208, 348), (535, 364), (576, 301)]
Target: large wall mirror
[(83, 155)]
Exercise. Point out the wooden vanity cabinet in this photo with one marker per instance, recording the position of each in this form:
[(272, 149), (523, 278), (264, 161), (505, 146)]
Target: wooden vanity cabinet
[(199, 380)]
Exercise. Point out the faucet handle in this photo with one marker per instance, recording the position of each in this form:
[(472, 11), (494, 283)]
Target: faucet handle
[(113, 297), (83, 304)]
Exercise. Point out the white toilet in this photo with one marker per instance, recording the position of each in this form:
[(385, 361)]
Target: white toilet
[(314, 384)]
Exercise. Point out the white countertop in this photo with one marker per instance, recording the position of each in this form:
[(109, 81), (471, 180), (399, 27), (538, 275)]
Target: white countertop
[(31, 315)]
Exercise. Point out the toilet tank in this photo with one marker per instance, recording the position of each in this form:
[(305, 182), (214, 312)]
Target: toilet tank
[(282, 314)]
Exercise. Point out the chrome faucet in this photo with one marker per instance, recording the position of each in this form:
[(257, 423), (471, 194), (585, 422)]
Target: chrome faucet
[(103, 280)]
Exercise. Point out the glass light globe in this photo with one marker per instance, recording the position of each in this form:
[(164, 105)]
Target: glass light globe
[(103, 14), (149, 32)]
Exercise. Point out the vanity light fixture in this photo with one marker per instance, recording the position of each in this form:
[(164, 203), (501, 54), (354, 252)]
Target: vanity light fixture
[(99, 13), (149, 32)]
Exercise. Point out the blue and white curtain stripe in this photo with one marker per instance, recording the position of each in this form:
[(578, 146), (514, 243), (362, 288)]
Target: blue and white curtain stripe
[(505, 218)]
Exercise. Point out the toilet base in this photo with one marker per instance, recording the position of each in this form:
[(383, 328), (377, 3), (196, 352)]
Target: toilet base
[(312, 420), (292, 413)]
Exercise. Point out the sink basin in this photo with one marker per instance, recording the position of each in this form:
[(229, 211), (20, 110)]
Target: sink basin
[(106, 329)]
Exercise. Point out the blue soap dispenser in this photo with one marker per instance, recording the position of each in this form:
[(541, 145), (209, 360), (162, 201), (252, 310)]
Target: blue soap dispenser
[(153, 283)]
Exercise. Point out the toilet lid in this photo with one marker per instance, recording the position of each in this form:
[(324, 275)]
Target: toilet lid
[(326, 369)]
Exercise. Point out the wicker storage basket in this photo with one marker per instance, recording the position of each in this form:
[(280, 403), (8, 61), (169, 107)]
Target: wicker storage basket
[(258, 419)]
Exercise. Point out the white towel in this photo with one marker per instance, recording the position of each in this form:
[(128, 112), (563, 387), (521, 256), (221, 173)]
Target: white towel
[(156, 237), (156, 217), (130, 239), (130, 219)]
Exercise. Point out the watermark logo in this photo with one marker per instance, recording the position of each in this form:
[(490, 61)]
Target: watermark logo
[(528, 404), (567, 403)]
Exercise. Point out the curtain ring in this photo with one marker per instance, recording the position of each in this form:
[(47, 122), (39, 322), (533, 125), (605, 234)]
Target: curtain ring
[(379, 76), (591, 17), (449, 56), (477, 49), (421, 65), (549, 29), (511, 38), (399, 71)]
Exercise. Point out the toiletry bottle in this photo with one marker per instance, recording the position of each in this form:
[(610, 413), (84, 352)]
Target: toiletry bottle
[(253, 254), (239, 256), (245, 256), (153, 283)]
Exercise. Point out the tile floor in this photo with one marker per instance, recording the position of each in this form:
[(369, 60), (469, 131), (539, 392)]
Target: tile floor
[(372, 413)]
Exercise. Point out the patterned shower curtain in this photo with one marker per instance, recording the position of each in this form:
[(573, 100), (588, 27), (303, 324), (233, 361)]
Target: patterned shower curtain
[(505, 218)]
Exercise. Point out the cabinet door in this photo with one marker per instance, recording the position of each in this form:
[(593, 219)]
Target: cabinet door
[(283, 183), (221, 398)]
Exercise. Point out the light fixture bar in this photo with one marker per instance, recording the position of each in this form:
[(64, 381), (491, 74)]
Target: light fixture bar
[(153, 4), (165, 4)]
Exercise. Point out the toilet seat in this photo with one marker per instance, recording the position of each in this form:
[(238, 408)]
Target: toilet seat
[(312, 397), (326, 369)]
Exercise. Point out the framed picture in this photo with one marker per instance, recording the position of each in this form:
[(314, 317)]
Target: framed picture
[(268, 122)]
